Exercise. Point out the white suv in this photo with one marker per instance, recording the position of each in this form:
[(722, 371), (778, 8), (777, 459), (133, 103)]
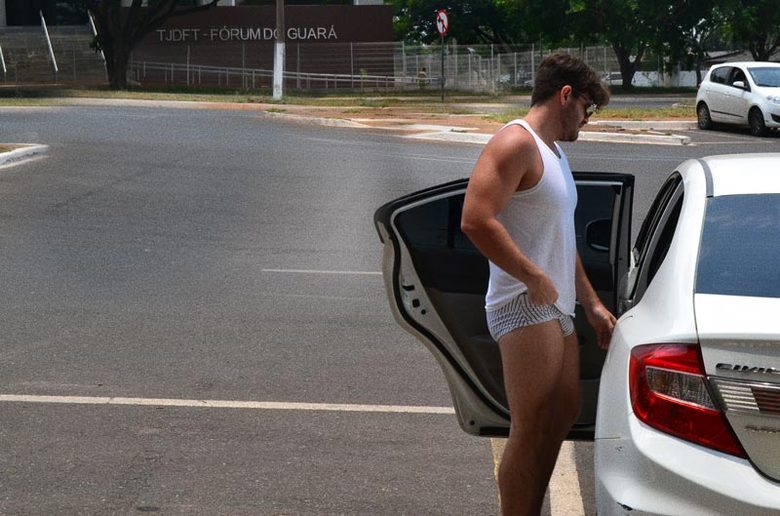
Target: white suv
[(744, 93)]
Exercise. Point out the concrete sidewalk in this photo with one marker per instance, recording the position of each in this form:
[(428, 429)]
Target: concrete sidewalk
[(615, 131)]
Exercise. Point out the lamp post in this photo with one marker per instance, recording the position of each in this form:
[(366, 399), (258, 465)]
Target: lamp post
[(279, 52)]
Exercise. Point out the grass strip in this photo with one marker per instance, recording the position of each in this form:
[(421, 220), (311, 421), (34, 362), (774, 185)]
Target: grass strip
[(681, 112), (23, 96)]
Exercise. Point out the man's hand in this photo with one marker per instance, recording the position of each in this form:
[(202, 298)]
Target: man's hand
[(541, 290), (603, 323)]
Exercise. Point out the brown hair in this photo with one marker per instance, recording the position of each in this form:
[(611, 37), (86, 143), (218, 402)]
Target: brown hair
[(558, 70)]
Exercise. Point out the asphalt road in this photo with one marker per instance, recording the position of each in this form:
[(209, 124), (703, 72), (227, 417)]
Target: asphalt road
[(214, 255)]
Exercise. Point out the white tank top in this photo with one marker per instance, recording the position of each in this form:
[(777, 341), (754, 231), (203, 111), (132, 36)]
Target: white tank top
[(540, 221)]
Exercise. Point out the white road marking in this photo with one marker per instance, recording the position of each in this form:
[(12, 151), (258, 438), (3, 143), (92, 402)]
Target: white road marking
[(309, 271), (497, 446), (256, 405), (22, 161), (563, 495)]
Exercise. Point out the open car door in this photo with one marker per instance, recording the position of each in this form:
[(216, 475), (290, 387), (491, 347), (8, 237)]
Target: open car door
[(436, 282)]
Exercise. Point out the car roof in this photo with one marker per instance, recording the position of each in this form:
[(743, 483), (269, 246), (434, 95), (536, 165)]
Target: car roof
[(734, 174), (759, 64)]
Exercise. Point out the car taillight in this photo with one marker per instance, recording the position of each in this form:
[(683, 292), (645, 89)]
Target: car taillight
[(669, 392)]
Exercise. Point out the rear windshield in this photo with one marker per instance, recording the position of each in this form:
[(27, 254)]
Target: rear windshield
[(740, 246), (769, 77)]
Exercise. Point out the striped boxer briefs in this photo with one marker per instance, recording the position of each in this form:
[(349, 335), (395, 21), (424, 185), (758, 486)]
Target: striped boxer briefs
[(520, 312)]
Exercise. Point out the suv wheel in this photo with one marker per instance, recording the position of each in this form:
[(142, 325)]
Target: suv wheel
[(756, 122), (703, 116)]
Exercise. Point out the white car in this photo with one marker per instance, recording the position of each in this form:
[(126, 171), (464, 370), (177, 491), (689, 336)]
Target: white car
[(688, 419), (613, 78), (743, 93)]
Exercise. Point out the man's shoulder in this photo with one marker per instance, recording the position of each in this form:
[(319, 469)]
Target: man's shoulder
[(512, 139)]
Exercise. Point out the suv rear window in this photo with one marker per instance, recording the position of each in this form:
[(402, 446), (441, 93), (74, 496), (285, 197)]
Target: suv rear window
[(740, 246)]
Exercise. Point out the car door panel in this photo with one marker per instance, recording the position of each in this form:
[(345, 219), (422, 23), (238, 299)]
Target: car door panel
[(736, 100), (436, 281), (717, 88)]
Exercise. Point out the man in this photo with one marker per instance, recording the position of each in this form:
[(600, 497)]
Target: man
[(519, 212)]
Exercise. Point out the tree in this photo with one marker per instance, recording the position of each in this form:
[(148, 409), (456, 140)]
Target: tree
[(756, 25), (119, 29), (629, 26), (548, 20), (471, 22), (696, 26)]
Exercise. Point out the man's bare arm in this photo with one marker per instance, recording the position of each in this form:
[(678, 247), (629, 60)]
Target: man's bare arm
[(602, 321)]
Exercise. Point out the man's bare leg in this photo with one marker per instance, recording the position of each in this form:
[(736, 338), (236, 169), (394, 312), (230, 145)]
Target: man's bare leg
[(535, 361), (568, 401)]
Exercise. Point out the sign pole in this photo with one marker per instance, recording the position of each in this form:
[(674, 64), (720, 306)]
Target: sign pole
[(442, 25), (442, 67)]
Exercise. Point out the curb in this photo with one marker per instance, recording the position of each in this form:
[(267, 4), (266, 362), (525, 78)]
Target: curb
[(330, 122), (650, 125), (585, 136), (449, 136), (26, 151), (651, 139)]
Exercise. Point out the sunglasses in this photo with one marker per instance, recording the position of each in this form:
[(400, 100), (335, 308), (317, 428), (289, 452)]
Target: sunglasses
[(591, 108)]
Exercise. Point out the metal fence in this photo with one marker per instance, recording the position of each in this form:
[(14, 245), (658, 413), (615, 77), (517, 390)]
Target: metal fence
[(485, 68), (57, 55), (171, 74), (309, 66), (375, 66)]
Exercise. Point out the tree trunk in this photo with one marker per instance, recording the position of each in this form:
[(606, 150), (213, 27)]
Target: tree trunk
[(762, 51), (117, 60), (120, 28), (627, 68)]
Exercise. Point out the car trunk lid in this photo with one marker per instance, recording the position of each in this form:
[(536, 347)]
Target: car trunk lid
[(740, 345)]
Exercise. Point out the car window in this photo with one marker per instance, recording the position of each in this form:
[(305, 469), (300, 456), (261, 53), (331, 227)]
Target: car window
[(766, 77), (659, 238), (740, 245), (664, 239), (720, 75), (436, 224), (653, 216), (738, 75)]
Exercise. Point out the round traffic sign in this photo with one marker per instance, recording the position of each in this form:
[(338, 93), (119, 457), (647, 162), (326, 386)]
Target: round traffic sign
[(442, 22)]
